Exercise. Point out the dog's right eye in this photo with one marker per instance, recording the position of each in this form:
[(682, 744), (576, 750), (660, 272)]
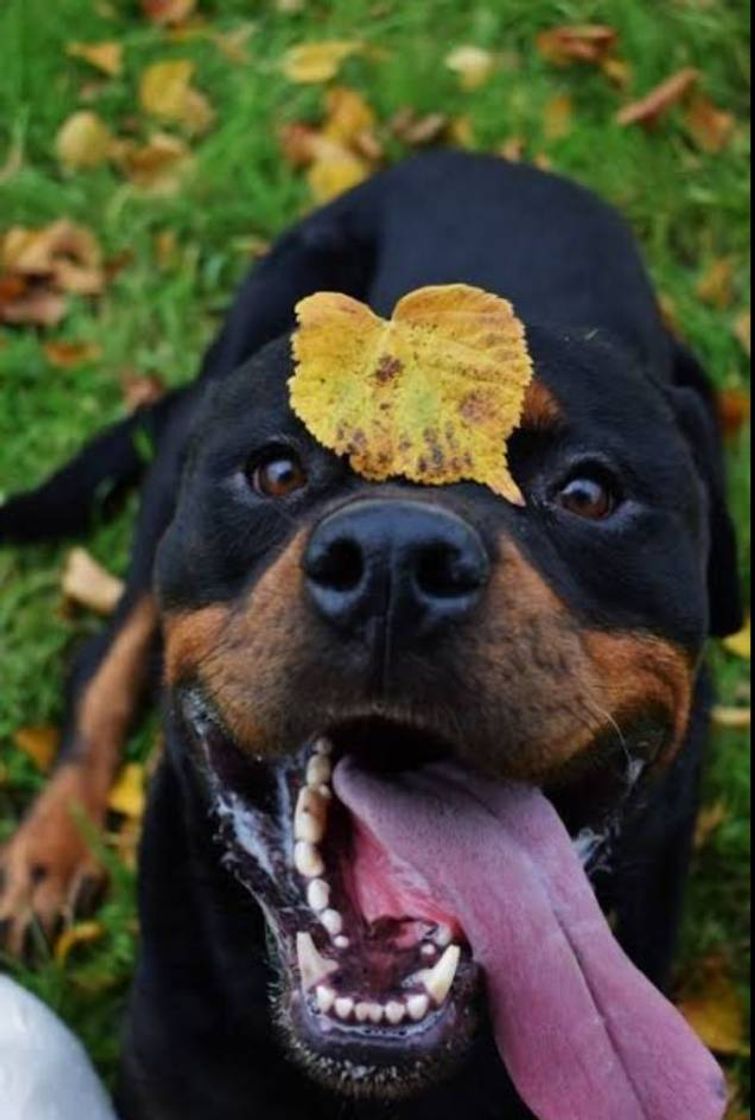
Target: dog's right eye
[(277, 476)]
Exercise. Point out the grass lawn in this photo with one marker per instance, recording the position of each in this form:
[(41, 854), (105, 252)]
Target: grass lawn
[(181, 253)]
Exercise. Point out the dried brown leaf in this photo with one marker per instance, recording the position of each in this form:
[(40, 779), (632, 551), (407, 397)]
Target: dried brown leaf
[(715, 1011), (716, 286), (743, 331), (168, 13), (88, 584), (67, 355), (734, 410), (141, 389), (156, 167), (711, 128), (587, 43), (419, 131), (558, 117), (649, 109), (40, 744)]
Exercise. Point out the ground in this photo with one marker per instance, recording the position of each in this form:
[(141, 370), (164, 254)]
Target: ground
[(176, 255)]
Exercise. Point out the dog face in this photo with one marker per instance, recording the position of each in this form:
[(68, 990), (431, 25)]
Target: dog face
[(310, 615)]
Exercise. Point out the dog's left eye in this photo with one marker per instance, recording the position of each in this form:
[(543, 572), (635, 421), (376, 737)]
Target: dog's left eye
[(277, 476), (588, 496)]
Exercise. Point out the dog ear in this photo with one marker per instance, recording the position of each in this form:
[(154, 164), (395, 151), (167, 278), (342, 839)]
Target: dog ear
[(694, 402)]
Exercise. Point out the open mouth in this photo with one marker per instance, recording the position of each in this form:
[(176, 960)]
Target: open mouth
[(402, 901)]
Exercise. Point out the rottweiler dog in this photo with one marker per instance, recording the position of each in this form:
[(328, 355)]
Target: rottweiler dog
[(395, 712)]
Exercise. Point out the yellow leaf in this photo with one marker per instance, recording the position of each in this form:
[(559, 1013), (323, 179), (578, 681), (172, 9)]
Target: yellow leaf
[(156, 167), (741, 644), (716, 1014), (335, 170), (711, 128), (347, 115), (318, 62), (743, 331), (128, 795), (105, 57), (709, 820), (83, 933), (432, 394), (165, 92), (83, 141), (68, 355), (168, 13), (88, 584), (557, 117), (716, 287), (40, 744), (473, 66), (733, 719)]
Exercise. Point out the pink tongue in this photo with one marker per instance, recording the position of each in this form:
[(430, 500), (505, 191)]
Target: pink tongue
[(582, 1032)]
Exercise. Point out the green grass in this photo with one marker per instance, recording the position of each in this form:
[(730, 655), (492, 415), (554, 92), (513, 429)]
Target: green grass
[(687, 209)]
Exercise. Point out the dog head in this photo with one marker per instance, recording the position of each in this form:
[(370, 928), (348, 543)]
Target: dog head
[(313, 619)]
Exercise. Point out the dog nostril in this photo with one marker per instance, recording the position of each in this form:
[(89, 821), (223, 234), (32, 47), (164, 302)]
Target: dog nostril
[(443, 571), (339, 567)]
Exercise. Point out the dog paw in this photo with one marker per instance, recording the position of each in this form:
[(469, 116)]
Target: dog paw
[(48, 873)]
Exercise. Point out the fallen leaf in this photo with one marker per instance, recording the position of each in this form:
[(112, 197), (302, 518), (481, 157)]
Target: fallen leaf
[(715, 1012), (40, 744), (716, 286), (733, 719), (588, 43), (473, 66), (141, 390), (709, 819), (168, 13), (740, 644), (513, 149), (432, 395), (743, 331), (335, 171), (418, 131), (711, 128), (157, 167), (733, 411), (83, 141), (460, 131), (33, 305), (233, 44), (316, 62), (82, 933), (298, 143), (347, 115), (68, 355), (165, 92), (649, 109), (128, 795), (558, 117), (88, 584), (618, 71), (105, 57)]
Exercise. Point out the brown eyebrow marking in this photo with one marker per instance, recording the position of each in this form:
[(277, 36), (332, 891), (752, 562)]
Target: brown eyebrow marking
[(541, 412)]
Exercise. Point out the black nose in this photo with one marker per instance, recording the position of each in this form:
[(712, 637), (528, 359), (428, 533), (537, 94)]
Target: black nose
[(412, 567)]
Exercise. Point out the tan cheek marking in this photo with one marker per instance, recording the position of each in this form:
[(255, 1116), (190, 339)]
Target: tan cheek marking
[(541, 409)]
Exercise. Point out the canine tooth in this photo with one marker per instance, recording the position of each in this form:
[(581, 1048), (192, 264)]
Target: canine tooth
[(375, 1013), (313, 967), (318, 770), (417, 1006), (362, 1011), (307, 860), (318, 895), (310, 816), (325, 997), (438, 980), (428, 949), (341, 942), (332, 921), (344, 1007), (443, 936), (395, 1012)]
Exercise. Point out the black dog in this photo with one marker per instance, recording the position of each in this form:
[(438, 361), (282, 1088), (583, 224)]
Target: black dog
[(309, 619)]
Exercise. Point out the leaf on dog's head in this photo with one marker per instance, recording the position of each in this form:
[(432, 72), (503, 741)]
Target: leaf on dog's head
[(432, 394)]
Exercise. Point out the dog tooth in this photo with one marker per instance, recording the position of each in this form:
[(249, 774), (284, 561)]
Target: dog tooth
[(313, 967), (318, 770), (438, 980), (344, 1007), (325, 791), (310, 816), (332, 921), (417, 1006), (428, 949), (395, 1012), (443, 936), (318, 895), (362, 1011), (375, 1013), (307, 860), (341, 942), (325, 997)]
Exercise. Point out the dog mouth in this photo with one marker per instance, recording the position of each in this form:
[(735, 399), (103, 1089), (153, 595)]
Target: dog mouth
[(405, 901)]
